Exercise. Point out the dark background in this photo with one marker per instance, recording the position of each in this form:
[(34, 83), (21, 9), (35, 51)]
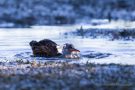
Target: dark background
[(57, 12)]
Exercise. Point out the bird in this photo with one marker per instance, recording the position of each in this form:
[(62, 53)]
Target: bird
[(48, 48)]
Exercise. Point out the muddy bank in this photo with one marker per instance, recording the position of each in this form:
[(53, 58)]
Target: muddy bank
[(66, 76)]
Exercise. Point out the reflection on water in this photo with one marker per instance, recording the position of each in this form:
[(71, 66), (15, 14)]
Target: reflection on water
[(16, 41)]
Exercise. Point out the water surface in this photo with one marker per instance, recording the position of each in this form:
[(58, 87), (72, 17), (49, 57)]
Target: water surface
[(15, 42)]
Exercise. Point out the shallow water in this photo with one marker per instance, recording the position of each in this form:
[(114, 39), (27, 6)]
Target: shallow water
[(14, 43)]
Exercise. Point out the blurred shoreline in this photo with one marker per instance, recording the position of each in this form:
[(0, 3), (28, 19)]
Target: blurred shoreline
[(25, 13)]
